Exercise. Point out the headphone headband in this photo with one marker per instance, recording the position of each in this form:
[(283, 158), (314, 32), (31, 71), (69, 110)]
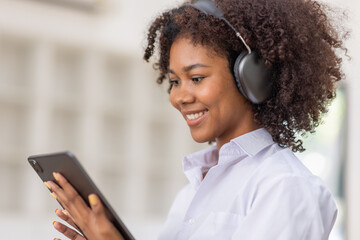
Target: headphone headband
[(208, 7)]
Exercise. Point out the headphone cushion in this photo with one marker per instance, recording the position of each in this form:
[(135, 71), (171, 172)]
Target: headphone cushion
[(252, 77), (237, 73)]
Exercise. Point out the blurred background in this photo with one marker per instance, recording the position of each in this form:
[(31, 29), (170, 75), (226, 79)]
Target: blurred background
[(72, 78)]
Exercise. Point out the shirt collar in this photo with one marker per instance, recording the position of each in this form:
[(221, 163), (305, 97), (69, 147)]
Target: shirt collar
[(196, 164), (238, 148), (253, 142)]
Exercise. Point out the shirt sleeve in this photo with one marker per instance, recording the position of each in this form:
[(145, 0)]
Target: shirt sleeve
[(288, 207)]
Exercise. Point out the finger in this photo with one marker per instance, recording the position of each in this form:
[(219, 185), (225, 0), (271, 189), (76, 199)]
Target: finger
[(66, 186), (68, 232), (77, 212), (97, 207), (49, 186), (107, 228), (56, 192), (68, 197), (52, 194), (71, 193), (65, 215)]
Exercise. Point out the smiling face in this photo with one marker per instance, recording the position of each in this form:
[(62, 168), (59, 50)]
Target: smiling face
[(204, 91)]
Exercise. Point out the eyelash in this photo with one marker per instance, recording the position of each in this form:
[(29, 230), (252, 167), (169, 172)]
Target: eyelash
[(195, 80), (173, 83)]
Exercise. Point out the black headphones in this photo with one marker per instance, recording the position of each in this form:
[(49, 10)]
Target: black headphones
[(251, 75)]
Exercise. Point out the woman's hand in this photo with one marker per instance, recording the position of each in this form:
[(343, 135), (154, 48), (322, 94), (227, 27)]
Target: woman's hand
[(68, 232), (92, 221)]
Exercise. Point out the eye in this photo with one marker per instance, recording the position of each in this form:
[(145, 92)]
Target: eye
[(174, 82), (197, 79)]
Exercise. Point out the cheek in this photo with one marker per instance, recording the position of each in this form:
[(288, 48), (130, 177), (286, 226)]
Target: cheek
[(212, 95)]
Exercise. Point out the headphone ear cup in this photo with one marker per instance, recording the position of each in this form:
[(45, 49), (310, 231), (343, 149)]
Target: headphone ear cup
[(237, 74), (252, 77)]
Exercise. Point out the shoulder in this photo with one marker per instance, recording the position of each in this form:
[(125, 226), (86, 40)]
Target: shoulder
[(282, 169), (283, 183)]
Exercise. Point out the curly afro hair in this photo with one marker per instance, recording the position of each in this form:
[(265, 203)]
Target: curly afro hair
[(296, 38)]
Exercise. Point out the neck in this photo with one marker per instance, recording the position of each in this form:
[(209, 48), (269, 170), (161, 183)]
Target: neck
[(247, 127)]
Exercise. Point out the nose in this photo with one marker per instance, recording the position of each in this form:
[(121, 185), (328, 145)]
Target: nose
[(181, 95)]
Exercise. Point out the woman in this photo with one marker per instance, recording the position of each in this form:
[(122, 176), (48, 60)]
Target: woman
[(254, 106)]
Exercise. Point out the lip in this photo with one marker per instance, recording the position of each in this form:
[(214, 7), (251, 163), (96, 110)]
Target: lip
[(197, 121)]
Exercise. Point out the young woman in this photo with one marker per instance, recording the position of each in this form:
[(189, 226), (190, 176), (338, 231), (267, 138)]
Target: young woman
[(252, 76)]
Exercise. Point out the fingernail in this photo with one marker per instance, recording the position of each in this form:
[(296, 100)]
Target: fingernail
[(47, 185), (93, 199), (54, 222), (56, 210), (65, 212), (56, 176), (53, 195)]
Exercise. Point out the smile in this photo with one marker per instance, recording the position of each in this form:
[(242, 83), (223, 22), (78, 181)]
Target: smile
[(194, 115)]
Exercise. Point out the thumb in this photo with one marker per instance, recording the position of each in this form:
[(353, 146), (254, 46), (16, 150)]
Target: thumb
[(97, 206)]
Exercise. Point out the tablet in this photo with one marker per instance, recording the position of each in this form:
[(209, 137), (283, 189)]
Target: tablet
[(67, 164)]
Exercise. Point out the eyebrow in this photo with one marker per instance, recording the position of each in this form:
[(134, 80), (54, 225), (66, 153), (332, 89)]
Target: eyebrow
[(190, 67)]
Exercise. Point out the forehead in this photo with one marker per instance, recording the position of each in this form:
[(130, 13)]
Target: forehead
[(185, 51)]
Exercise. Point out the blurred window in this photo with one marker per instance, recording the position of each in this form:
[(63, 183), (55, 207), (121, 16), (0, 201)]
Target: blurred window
[(326, 152)]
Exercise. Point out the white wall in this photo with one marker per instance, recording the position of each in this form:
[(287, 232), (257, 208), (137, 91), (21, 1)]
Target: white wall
[(352, 176)]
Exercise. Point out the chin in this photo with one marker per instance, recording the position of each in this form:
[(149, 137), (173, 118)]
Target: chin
[(201, 138)]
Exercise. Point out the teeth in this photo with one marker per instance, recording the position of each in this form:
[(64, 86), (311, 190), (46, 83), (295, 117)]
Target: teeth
[(194, 115)]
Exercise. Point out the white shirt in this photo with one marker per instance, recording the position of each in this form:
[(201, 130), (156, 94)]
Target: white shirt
[(254, 190)]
